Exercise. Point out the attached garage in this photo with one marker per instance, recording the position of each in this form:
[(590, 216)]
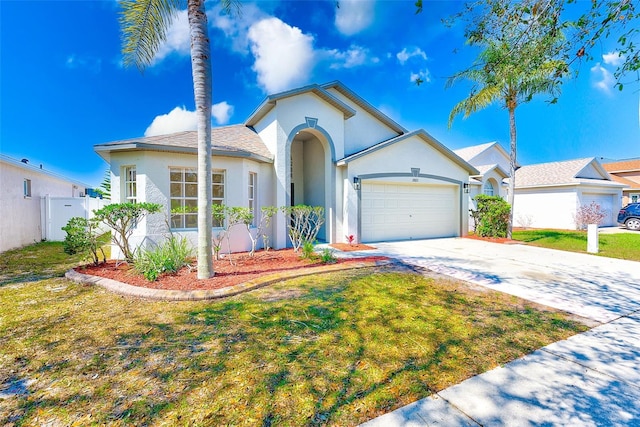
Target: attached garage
[(404, 211)]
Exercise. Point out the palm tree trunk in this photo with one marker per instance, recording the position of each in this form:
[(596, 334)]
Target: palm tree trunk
[(202, 88), (512, 167)]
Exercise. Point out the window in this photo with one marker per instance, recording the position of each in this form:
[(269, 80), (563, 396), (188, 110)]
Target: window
[(130, 190), (27, 187), (488, 188), (252, 195), (634, 198), (184, 196)]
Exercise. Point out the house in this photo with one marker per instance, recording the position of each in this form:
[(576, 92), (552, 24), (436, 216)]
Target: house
[(320, 145), (548, 195), (25, 193), (626, 172), (493, 165)]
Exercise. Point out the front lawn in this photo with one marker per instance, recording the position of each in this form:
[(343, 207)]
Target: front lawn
[(335, 349), (621, 245)]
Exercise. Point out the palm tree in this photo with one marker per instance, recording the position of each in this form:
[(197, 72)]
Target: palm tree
[(144, 25), (518, 62)]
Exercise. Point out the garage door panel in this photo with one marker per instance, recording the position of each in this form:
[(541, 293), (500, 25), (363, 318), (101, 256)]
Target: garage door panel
[(391, 211), (606, 204)]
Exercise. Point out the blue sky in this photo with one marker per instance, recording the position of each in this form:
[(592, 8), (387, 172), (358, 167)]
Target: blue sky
[(64, 89)]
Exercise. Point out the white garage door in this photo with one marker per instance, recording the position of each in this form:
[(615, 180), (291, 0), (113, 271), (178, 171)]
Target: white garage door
[(606, 204), (392, 211)]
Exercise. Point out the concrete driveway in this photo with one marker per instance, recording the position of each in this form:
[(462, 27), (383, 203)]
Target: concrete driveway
[(591, 379)]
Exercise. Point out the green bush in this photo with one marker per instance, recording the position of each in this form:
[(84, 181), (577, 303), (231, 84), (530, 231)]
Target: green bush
[(82, 237), (491, 216), (327, 256), (307, 250), (168, 257)]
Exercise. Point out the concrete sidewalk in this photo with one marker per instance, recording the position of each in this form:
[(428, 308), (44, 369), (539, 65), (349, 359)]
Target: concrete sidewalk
[(591, 379)]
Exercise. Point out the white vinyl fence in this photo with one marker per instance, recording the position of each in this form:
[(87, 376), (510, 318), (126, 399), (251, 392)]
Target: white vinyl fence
[(57, 211)]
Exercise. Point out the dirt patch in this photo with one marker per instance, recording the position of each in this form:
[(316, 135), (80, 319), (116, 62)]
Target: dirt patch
[(345, 247), (228, 272)]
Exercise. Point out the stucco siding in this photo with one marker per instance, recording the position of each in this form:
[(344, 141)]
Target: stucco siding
[(267, 128), (491, 157), (362, 130)]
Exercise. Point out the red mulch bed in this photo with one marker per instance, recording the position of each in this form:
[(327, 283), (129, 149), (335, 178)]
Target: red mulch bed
[(494, 239), (243, 269), (345, 247)]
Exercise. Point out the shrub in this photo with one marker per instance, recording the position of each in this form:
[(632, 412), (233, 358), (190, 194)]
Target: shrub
[(350, 238), (589, 214), (123, 218), (168, 257), (491, 217), (82, 236), (327, 256), (304, 223), (307, 250)]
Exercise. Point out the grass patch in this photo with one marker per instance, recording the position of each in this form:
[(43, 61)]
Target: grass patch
[(335, 349), (621, 245)]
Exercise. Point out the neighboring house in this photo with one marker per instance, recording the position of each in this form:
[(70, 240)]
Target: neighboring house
[(626, 172), (548, 195), (24, 191), (320, 145)]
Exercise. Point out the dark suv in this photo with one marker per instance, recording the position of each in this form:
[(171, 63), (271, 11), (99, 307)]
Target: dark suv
[(629, 216)]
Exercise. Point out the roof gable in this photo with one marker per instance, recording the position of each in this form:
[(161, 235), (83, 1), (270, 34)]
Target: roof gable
[(270, 102), (422, 134), (234, 141), (485, 169)]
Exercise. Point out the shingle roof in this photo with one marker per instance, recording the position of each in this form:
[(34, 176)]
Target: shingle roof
[(468, 153), (622, 166), (557, 173), (633, 185), (237, 140), (486, 168)]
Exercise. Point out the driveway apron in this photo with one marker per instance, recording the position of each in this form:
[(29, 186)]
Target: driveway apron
[(591, 379)]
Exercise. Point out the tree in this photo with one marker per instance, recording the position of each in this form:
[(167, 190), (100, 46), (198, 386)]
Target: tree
[(105, 186), (521, 57), (144, 25)]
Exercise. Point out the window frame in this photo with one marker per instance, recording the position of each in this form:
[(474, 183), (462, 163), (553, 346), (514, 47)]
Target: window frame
[(130, 190), (252, 202), (191, 201), (26, 188), (484, 188)]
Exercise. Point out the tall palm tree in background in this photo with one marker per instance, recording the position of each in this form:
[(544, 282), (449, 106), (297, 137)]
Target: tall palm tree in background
[(521, 57), (144, 26)]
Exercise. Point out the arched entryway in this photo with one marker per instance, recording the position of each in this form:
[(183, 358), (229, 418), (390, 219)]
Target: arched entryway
[(310, 174)]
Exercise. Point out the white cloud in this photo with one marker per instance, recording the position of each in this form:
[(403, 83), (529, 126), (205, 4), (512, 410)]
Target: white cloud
[(284, 56), (404, 55), (602, 79), (236, 27), (353, 57), (92, 64), (613, 58), (353, 16), (222, 112), (423, 75), (180, 119), (178, 38)]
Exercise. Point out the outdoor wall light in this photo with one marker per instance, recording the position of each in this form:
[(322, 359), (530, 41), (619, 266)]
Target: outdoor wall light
[(466, 187), (356, 183)]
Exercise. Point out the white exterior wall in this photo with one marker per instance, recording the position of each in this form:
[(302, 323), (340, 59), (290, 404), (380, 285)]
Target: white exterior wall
[(21, 216), (546, 208), (267, 128), (491, 157), (362, 130), (393, 159), (153, 182)]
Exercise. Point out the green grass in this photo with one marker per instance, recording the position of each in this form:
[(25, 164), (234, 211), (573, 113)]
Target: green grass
[(335, 349), (622, 245)]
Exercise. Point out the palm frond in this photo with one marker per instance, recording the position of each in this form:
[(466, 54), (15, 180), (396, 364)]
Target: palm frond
[(144, 26)]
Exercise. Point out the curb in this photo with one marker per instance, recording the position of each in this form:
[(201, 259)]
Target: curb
[(209, 294)]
